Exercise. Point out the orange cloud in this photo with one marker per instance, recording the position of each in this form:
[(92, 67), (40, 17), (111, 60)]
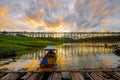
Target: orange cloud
[(3, 10), (53, 26), (52, 4), (35, 20), (105, 22), (3, 16), (104, 30)]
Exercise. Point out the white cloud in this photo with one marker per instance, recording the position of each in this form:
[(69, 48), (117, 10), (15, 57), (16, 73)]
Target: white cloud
[(57, 15)]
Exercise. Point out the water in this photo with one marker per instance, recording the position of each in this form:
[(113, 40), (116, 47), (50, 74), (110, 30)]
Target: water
[(69, 56)]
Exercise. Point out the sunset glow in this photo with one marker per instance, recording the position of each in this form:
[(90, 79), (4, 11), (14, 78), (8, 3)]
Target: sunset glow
[(60, 15)]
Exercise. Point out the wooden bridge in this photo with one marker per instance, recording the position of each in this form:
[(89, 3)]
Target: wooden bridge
[(63, 34), (81, 74)]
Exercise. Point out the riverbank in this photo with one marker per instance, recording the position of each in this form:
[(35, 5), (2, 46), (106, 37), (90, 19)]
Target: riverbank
[(21, 43)]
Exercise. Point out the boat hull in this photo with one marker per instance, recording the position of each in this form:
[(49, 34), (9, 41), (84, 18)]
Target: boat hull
[(49, 61)]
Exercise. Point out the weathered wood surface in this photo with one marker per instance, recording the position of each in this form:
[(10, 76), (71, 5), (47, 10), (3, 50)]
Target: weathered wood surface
[(75, 70), (96, 76), (74, 75)]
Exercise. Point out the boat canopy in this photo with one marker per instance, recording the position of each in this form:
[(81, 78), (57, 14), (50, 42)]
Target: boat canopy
[(50, 48)]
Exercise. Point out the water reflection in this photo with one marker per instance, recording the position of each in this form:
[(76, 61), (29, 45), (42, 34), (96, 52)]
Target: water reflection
[(69, 56)]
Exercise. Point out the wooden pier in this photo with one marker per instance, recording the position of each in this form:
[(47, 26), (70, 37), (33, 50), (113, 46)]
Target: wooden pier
[(81, 74)]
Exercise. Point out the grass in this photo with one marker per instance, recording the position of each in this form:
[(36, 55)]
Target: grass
[(23, 44), (20, 43)]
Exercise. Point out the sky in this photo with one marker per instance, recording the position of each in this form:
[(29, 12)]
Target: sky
[(60, 15)]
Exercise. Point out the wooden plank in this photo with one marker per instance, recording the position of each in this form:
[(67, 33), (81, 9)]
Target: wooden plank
[(89, 76), (66, 76), (56, 76), (74, 76), (26, 76), (113, 75), (101, 76), (11, 76), (80, 76), (40, 77), (6, 77), (117, 74), (2, 74), (3, 69), (33, 76), (50, 76), (15, 76), (59, 76), (97, 76)]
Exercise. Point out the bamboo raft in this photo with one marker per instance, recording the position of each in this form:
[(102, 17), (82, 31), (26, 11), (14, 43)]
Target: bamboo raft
[(82, 74)]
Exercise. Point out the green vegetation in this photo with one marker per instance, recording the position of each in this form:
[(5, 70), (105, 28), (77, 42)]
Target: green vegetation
[(20, 43)]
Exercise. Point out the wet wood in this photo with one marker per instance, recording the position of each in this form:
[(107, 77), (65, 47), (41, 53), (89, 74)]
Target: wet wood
[(6, 77), (50, 76), (12, 76), (2, 74), (89, 76), (77, 70), (80, 76), (117, 74), (74, 76), (40, 77), (3, 69), (54, 75), (26, 76), (33, 76), (113, 74)]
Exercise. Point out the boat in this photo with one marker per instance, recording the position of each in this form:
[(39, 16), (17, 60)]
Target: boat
[(49, 60)]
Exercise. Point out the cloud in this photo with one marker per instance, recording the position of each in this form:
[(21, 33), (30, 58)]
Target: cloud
[(104, 30), (83, 16), (52, 3), (106, 22), (102, 8), (53, 26), (4, 21), (60, 15)]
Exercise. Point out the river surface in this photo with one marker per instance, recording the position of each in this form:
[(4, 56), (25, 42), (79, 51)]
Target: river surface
[(69, 56)]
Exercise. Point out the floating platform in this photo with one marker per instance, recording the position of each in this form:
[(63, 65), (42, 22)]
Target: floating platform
[(81, 74)]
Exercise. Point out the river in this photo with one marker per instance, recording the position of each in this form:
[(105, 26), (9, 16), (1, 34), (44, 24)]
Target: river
[(69, 56)]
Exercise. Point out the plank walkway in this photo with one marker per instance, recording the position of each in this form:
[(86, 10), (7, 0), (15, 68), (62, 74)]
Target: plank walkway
[(90, 74)]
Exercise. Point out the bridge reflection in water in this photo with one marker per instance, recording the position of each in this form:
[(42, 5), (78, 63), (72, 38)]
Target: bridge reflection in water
[(76, 56)]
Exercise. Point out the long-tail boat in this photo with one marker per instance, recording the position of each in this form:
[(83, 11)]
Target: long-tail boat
[(49, 60)]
